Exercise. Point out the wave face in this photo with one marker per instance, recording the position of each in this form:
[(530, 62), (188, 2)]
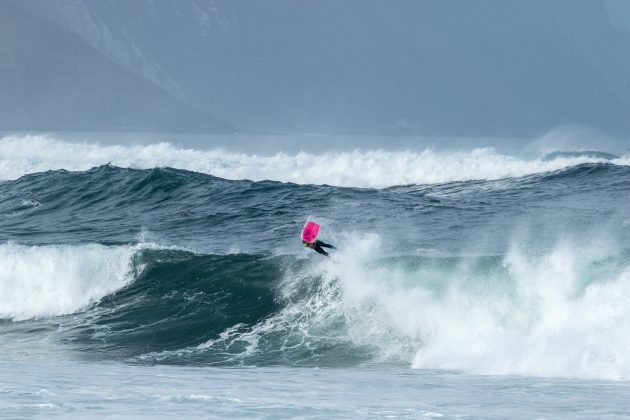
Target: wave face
[(520, 275)]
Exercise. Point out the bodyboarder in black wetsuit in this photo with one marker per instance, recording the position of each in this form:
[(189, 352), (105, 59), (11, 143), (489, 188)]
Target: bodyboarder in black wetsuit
[(318, 246)]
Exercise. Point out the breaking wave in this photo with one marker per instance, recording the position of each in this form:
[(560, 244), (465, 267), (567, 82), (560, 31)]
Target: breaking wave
[(20, 155), (560, 313), (44, 281)]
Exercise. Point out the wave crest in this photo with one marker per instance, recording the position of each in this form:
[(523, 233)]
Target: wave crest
[(377, 169), (53, 280)]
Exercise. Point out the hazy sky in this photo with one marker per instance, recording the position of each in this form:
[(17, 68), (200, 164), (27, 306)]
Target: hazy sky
[(455, 68)]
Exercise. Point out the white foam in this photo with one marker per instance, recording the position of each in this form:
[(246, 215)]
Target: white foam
[(20, 155), (561, 314), (43, 281), (550, 315)]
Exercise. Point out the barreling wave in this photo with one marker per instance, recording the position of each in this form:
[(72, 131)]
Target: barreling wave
[(20, 155), (561, 313)]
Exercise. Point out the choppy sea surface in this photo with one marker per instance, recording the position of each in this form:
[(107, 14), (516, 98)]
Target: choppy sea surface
[(156, 280)]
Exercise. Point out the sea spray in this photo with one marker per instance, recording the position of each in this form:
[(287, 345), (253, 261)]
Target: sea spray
[(556, 319), (561, 313)]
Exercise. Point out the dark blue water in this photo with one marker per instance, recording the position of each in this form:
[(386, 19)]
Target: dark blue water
[(108, 204)]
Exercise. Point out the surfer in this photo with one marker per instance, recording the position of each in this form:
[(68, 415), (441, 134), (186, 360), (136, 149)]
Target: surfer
[(309, 238), (319, 246)]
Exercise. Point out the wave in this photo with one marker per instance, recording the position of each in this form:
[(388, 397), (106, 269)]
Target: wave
[(44, 281), (20, 155), (558, 313), (594, 154)]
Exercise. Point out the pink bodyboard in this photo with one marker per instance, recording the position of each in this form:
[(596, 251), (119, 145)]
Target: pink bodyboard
[(310, 231)]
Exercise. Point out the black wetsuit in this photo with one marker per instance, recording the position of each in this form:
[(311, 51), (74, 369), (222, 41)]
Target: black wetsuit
[(320, 245)]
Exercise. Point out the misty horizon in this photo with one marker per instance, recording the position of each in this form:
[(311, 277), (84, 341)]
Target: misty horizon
[(374, 68)]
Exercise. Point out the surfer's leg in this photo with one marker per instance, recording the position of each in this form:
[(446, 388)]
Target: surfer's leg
[(325, 245), (320, 250)]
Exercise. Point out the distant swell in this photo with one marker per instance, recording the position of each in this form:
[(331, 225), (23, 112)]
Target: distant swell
[(20, 155)]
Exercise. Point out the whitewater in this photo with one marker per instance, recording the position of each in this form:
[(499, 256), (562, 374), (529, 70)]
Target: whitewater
[(20, 155), (157, 279)]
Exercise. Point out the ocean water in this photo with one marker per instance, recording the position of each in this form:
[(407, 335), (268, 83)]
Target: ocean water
[(157, 280)]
